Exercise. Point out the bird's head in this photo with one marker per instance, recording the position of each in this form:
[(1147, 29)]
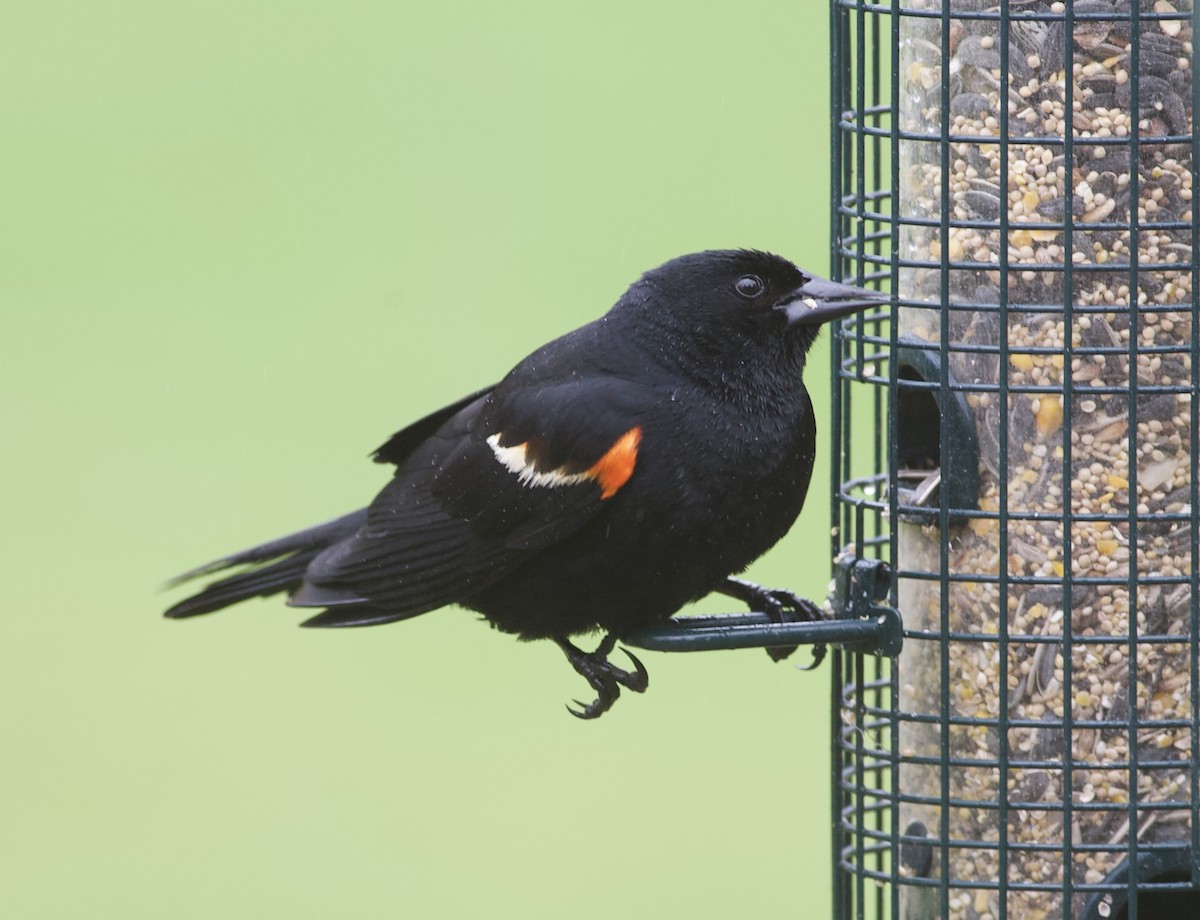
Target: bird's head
[(742, 298)]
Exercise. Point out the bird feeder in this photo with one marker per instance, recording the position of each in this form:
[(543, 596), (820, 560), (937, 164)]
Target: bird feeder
[(1017, 438)]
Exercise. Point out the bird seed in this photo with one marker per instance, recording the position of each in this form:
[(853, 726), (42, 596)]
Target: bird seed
[(1080, 656)]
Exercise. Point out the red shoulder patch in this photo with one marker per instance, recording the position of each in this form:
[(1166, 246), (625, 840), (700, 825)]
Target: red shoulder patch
[(616, 466)]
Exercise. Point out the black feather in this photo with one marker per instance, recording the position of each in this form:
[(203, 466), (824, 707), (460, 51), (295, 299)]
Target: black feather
[(294, 553), (401, 445)]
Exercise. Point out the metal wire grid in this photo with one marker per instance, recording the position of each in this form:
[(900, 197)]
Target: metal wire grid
[(875, 851)]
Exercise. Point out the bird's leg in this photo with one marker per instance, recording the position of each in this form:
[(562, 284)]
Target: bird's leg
[(604, 676), (776, 604)]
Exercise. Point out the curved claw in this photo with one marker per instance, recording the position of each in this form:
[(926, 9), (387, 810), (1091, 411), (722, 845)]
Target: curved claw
[(818, 657), (805, 611), (598, 707), (582, 711), (603, 676), (639, 680)]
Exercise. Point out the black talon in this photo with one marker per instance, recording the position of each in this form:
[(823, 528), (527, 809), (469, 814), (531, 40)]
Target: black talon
[(781, 607), (598, 707), (582, 711), (603, 676), (606, 695), (639, 680), (818, 654), (809, 613)]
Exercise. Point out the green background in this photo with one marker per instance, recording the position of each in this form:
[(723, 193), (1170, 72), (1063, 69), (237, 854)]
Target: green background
[(240, 244)]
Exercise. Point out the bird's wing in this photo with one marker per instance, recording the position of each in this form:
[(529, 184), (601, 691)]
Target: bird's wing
[(513, 471), (400, 445)]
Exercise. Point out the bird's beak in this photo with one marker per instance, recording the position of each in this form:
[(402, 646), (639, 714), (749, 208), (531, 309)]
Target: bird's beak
[(818, 301)]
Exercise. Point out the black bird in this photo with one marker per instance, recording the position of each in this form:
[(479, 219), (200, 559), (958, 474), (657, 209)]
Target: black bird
[(615, 475)]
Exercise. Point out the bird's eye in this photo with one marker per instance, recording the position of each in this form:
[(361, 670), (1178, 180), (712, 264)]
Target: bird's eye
[(749, 286)]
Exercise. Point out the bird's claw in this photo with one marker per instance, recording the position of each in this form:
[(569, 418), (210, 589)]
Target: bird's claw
[(780, 606), (803, 611), (584, 711), (818, 655), (638, 680), (603, 676)]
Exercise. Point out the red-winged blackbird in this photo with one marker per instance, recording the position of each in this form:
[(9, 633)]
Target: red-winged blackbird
[(614, 475)]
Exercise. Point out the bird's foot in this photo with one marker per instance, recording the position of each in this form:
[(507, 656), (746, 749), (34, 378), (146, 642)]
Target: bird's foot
[(782, 607), (604, 676)]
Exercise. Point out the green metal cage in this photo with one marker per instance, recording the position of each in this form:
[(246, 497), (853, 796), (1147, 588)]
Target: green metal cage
[(1016, 437)]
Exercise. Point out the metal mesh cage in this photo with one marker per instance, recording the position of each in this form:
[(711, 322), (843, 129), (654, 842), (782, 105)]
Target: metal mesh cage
[(1016, 437)]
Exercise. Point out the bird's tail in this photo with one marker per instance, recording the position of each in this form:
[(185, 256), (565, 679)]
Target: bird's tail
[(276, 566)]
